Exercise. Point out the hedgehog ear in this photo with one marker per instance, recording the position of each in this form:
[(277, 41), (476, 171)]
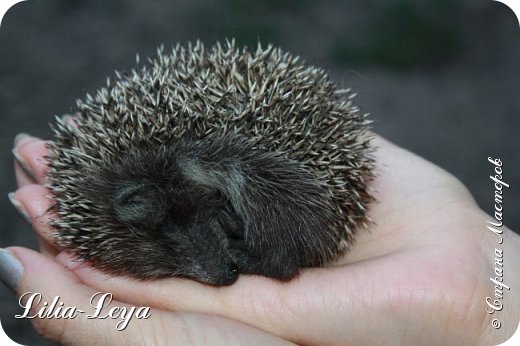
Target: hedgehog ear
[(134, 203)]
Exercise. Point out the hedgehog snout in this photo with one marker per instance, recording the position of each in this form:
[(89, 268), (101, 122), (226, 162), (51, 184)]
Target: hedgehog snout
[(207, 259), (224, 274), (198, 245)]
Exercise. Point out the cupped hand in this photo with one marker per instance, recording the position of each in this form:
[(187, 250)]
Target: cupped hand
[(418, 275)]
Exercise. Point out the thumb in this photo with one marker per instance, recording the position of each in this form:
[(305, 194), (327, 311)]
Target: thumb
[(38, 281)]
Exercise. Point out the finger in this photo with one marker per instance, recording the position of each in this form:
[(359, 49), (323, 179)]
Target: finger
[(22, 176), (29, 155), (33, 203), (39, 275), (295, 311)]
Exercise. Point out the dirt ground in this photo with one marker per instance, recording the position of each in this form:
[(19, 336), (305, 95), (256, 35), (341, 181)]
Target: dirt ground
[(441, 78)]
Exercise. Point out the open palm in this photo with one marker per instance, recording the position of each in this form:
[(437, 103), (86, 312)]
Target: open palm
[(419, 274)]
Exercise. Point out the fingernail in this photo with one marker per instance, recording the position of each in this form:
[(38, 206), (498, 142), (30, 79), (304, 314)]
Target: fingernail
[(23, 163), (19, 137), (11, 270), (19, 207)]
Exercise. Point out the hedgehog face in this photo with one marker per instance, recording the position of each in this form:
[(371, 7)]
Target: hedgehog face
[(185, 225)]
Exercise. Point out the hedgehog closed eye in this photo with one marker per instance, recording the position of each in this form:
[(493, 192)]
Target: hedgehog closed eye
[(210, 163)]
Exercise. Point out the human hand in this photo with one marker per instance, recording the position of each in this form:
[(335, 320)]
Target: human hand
[(420, 274)]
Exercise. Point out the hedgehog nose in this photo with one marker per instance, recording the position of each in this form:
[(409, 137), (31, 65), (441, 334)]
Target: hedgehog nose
[(231, 275)]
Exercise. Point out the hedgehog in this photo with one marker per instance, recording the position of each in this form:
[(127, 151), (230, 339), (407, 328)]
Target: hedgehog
[(208, 163)]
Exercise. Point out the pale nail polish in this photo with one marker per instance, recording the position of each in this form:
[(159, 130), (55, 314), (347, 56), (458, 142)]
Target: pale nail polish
[(23, 163), (11, 270), (19, 207), (19, 137)]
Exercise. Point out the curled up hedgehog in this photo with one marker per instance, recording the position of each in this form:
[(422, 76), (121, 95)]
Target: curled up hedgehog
[(208, 163)]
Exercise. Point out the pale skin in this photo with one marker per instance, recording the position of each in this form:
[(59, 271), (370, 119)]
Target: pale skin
[(420, 274)]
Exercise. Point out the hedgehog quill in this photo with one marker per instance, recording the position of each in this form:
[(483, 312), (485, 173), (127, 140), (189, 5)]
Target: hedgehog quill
[(208, 163)]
